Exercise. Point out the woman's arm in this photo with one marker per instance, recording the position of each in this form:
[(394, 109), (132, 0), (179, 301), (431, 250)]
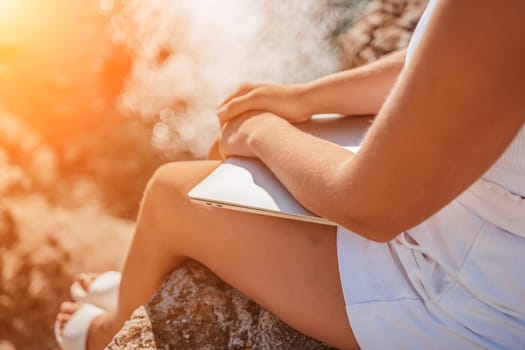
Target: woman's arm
[(358, 91), (354, 92), (451, 114)]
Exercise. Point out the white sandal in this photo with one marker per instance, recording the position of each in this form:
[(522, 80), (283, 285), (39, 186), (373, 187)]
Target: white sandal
[(102, 292), (75, 332)]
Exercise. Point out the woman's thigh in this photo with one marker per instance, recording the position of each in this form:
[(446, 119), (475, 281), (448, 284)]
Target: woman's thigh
[(289, 267)]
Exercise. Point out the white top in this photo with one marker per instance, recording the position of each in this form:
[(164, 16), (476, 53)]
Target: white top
[(509, 169)]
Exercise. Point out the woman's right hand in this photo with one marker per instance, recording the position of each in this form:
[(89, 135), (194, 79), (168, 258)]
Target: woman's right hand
[(287, 101)]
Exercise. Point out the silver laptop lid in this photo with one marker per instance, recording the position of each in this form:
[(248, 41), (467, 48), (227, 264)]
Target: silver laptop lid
[(246, 184)]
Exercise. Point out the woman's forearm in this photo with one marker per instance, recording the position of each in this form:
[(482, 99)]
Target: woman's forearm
[(306, 165), (357, 91)]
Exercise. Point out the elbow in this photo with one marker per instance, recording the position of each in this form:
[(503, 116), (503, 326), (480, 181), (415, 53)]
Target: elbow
[(373, 230), (379, 236), (383, 237)]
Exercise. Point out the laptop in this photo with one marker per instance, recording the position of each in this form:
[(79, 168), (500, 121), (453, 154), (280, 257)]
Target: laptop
[(246, 184)]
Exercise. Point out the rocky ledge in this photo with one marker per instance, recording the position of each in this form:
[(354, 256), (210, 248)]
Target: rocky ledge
[(194, 309), (384, 27)]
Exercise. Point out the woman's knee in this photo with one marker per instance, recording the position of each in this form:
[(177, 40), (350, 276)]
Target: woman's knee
[(166, 179), (167, 190), (162, 209), (180, 177)]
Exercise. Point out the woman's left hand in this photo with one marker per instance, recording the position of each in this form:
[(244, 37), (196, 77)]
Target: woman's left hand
[(237, 133)]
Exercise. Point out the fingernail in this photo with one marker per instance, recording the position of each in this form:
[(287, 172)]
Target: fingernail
[(222, 110)]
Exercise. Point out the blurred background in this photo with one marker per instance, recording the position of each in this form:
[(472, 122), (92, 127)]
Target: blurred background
[(96, 94)]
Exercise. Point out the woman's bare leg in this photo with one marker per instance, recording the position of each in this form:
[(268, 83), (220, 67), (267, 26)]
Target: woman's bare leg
[(288, 267)]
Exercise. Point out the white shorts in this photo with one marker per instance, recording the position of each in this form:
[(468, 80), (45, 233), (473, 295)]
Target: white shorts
[(454, 282)]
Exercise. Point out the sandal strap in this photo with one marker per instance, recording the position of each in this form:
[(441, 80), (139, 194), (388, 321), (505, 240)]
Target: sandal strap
[(102, 292), (75, 331)]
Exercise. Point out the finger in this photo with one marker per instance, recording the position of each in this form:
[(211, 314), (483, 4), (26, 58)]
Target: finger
[(240, 105), (241, 90), (214, 153), (224, 136)]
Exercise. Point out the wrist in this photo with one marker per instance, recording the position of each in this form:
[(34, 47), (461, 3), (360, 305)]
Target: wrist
[(265, 128), (308, 98)]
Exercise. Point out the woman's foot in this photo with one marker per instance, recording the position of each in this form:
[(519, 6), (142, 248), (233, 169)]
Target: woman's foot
[(100, 290), (101, 330)]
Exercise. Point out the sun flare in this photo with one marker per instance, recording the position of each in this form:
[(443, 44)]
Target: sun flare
[(9, 12)]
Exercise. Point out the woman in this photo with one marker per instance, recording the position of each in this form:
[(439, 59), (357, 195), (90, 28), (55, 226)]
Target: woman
[(431, 210)]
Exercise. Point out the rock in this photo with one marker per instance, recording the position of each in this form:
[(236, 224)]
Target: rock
[(194, 309), (385, 26)]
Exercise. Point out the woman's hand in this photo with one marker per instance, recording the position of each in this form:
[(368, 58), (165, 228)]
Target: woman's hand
[(287, 101), (237, 134)]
